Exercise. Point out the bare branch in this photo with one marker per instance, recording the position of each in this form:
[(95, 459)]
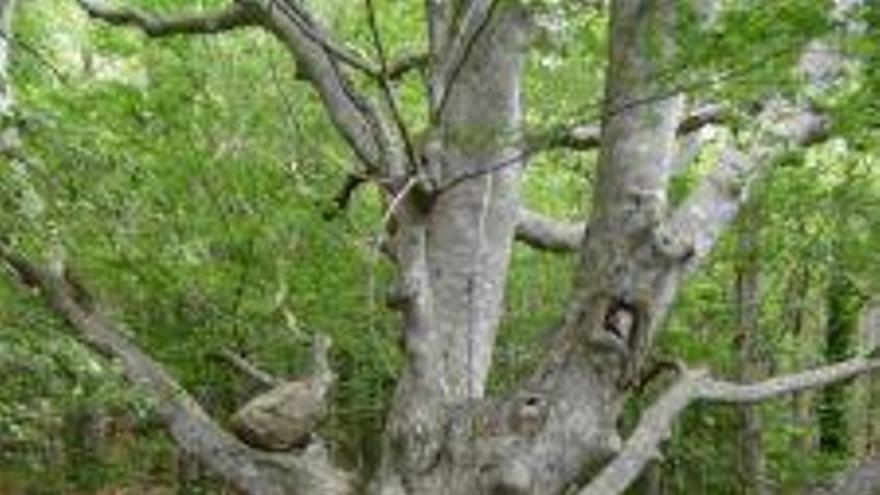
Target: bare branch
[(643, 445), (385, 85), (233, 16), (734, 393), (710, 208), (248, 368), (319, 55), (399, 68), (249, 470), (342, 198), (297, 13), (704, 215), (544, 233), (586, 136)]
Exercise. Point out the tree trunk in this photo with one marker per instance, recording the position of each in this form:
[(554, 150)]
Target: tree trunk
[(748, 291), (453, 247)]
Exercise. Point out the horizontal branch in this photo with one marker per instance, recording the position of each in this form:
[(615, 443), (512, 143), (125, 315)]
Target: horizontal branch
[(232, 17), (735, 393), (643, 445), (316, 52), (249, 470), (656, 424), (587, 136), (547, 234)]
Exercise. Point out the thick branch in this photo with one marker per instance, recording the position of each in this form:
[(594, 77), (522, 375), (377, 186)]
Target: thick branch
[(232, 17), (705, 214), (399, 68), (319, 55), (248, 368), (587, 136), (690, 148), (643, 445), (547, 234), (249, 470)]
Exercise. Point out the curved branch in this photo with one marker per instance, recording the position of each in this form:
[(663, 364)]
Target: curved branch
[(547, 234), (315, 50), (385, 85), (249, 470), (232, 17), (655, 426), (643, 445), (319, 56), (735, 393), (862, 479)]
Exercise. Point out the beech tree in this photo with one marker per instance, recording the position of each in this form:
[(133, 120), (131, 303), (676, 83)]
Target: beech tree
[(453, 213)]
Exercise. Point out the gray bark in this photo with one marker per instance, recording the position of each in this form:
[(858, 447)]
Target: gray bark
[(454, 251), (457, 211)]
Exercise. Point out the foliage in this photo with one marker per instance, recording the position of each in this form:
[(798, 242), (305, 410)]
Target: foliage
[(188, 182)]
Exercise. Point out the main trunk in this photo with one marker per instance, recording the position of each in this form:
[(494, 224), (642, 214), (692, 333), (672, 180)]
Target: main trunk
[(453, 247)]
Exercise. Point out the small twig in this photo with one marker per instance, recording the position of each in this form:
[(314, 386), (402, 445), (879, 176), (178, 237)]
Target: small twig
[(246, 367)]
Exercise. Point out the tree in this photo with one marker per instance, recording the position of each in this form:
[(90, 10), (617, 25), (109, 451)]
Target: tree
[(748, 299), (453, 213)]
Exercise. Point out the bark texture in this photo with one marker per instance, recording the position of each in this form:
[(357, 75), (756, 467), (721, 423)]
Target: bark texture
[(454, 211)]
